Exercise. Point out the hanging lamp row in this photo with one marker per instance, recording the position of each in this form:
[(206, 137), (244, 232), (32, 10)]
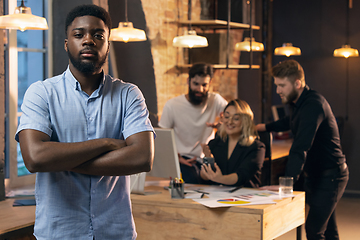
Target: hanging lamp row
[(23, 19)]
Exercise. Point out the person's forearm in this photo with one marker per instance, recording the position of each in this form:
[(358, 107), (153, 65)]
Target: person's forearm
[(136, 157), (121, 162), (42, 155), (261, 127), (229, 179)]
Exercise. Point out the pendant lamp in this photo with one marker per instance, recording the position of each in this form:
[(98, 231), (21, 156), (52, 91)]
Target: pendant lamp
[(346, 51), (190, 39), (22, 20), (287, 49), (245, 45), (126, 31)]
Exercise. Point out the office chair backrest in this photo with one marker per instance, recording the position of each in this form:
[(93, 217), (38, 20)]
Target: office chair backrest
[(266, 138)]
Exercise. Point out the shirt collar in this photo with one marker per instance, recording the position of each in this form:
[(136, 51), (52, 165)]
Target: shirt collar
[(76, 85), (302, 97)]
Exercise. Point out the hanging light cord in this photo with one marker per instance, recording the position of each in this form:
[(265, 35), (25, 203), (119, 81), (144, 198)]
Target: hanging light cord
[(349, 5), (347, 23), (126, 15), (189, 14)]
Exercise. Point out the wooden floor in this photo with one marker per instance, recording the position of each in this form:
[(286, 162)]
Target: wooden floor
[(348, 219)]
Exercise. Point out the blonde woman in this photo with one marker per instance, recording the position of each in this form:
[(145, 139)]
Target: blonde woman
[(237, 153)]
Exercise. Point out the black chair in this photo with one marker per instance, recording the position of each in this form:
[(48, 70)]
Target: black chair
[(266, 138)]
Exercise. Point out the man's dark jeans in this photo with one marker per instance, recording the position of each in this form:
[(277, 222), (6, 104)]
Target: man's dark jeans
[(322, 195)]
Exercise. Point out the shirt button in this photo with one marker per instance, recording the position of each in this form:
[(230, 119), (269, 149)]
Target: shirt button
[(93, 216), (93, 191)]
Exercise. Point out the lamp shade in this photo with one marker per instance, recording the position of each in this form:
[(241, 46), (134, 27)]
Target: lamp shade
[(190, 40), (23, 20), (346, 51), (245, 45), (127, 33), (287, 49)]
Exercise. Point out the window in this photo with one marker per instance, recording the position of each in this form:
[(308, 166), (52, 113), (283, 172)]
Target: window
[(26, 61)]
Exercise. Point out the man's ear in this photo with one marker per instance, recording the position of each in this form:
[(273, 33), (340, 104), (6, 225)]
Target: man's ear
[(297, 83), (65, 45)]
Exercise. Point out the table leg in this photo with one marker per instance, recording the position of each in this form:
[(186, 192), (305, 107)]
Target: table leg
[(298, 233)]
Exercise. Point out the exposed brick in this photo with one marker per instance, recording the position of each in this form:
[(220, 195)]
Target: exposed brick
[(171, 81)]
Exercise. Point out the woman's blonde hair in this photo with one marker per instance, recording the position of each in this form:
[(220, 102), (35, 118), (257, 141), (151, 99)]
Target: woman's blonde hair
[(248, 130)]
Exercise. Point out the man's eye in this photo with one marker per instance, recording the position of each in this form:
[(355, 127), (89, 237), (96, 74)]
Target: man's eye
[(99, 36), (78, 35)]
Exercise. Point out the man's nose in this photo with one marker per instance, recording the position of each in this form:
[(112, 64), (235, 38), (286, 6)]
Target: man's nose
[(278, 90), (200, 88), (88, 39)]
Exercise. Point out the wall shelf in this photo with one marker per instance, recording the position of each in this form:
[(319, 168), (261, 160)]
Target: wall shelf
[(223, 66), (217, 24)]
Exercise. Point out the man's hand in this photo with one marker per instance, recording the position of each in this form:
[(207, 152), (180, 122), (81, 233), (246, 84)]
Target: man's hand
[(217, 123), (261, 127), (206, 150), (187, 162), (214, 124)]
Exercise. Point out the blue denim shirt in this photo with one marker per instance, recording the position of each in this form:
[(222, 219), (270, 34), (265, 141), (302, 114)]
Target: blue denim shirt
[(77, 206)]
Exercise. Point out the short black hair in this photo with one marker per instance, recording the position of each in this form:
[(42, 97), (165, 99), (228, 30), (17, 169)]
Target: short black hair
[(88, 10), (201, 69)]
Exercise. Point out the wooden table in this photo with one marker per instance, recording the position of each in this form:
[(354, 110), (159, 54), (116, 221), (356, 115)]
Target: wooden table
[(158, 217), (280, 148), (16, 222)]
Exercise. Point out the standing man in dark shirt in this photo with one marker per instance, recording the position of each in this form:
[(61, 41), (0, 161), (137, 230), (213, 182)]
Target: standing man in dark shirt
[(316, 148)]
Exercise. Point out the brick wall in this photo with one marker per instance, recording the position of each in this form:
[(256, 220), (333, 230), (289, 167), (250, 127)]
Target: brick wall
[(161, 19)]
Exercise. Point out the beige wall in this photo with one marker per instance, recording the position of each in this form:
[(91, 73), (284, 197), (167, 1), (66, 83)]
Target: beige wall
[(161, 17)]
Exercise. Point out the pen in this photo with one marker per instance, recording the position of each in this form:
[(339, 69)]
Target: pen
[(235, 189), (199, 191)]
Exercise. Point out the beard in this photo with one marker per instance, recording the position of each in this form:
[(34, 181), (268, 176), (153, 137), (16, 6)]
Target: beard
[(87, 67), (197, 100), (293, 95)]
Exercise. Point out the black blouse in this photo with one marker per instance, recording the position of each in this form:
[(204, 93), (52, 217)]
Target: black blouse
[(245, 161)]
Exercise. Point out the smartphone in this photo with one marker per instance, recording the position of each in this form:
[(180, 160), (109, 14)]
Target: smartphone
[(211, 161)]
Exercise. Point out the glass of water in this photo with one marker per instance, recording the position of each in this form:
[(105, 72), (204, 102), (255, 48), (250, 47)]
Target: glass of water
[(285, 186)]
